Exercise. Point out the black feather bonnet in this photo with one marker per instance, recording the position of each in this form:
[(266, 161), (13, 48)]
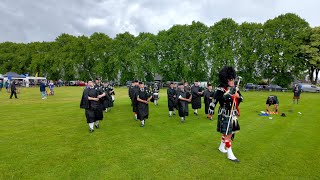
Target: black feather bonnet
[(227, 72)]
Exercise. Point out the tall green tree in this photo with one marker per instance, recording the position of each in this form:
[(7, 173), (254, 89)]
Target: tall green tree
[(145, 57), (310, 52), (283, 37), (99, 62), (221, 43), (195, 54), (249, 51), (124, 44)]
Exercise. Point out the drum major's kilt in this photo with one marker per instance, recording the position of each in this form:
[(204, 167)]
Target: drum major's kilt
[(222, 124)]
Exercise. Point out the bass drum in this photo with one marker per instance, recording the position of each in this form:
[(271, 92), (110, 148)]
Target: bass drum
[(156, 96)]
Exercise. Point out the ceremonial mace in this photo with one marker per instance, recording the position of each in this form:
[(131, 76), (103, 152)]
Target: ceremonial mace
[(233, 102)]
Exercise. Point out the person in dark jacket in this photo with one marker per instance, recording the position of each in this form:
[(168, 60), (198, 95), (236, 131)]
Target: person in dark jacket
[(182, 102), (196, 93), (296, 93), (229, 98), (143, 98), (13, 89), (171, 93), (90, 102), (133, 96), (208, 99), (1, 85), (43, 90)]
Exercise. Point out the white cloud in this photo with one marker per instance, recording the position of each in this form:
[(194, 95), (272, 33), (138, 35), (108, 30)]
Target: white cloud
[(93, 22), (25, 21)]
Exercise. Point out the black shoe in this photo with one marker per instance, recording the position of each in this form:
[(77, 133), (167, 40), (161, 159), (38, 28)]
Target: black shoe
[(91, 130), (195, 113), (97, 126), (142, 125), (234, 160)]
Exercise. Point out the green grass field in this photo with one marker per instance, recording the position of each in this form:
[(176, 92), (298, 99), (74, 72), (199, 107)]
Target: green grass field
[(49, 139)]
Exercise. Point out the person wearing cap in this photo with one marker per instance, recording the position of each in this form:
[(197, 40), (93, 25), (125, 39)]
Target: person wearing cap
[(171, 94), (182, 102), (90, 102), (143, 98), (196, 97)]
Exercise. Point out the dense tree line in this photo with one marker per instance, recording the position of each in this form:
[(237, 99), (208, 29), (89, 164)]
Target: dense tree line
[(280, 50)]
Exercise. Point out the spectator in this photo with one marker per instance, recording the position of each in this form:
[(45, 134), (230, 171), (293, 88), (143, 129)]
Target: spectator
[(51, 87), (296, 93), (6, 85), (13, 90), (1, 85), (43, 90)]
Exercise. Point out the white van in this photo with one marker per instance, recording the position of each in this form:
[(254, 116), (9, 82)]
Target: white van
[(309, 88)]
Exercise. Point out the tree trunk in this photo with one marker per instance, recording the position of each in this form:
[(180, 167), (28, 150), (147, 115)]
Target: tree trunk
[(311, 70), (316, 79)]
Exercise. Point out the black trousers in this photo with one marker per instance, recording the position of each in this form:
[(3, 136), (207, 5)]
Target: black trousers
[(13, 93)]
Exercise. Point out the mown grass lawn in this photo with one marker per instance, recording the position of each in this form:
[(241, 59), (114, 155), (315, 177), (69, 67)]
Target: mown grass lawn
[(49, 139)]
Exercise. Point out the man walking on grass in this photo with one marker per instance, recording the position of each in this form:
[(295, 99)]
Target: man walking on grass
[(143, 98), (90, 102), (13, 89), (43, 90)]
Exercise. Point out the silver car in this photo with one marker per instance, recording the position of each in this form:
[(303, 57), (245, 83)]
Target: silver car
[(309, 88)]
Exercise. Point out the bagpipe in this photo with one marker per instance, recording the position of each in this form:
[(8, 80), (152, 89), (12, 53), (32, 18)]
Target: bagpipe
[(234, 112)]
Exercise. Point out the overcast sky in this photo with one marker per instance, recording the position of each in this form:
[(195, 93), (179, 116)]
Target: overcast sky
[(44, 20)]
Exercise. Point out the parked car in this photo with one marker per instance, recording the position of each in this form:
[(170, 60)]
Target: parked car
[(81, 83), (309, 88), (251, 86), (273, 87)]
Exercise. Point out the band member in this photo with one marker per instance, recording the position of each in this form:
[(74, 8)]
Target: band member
[(227, 94), (296, 93), (182, 102), (130, 90), (272, 100), (101, 95), (196, 93), (208, 99), (171, 93), (187, 89), (143, 98), (155, 92), (107, 100), (133, 95), (90, 102)]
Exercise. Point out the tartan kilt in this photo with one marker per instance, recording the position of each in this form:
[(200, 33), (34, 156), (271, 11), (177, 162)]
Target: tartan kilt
[(222, 125)]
